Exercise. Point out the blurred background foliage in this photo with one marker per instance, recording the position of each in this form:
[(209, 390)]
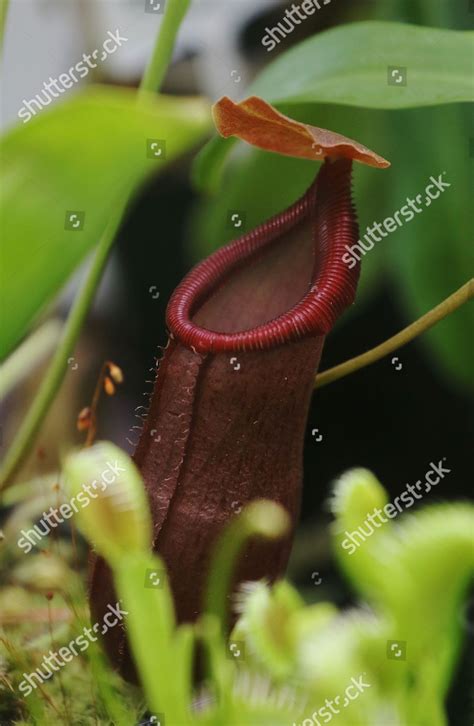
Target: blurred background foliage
[(47, 180)]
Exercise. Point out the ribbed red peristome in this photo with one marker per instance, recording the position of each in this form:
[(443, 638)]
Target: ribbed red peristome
[(328, 204)]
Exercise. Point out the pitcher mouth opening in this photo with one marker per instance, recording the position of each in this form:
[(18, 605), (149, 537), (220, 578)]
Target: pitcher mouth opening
[(284, 281)]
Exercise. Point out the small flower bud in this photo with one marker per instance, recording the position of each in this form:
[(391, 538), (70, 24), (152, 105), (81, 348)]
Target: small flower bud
[(115, 372), (109, 387), (84, 419)]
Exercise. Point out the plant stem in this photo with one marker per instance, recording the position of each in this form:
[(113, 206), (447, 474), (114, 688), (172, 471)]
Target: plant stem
[(29, 355), (175, 10), (151, 637), (441, 311), (99, 387), (55, 373), (261, 518), (163, 50), (3, 19)]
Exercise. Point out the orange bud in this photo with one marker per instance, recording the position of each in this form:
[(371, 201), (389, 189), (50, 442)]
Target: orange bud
[(115, 372), (109, 387), (84, 419)]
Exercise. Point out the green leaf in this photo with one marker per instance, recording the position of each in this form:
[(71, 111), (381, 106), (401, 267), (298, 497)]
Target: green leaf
[(116, 519), (430, 559), (261, 518), (150, 627), (80, 157), (209, 162), (349, 65), (433, 255), (266, 625), (437, 252)]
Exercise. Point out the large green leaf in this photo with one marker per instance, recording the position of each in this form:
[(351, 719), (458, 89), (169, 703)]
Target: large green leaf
[(434, 254), (350, 64), (80, 157)]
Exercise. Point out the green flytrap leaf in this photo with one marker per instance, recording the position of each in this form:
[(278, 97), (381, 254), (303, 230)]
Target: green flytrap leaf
[(352, 65), (116, 518), (413, 573), (430, 559), (117, 521), (63, 173)]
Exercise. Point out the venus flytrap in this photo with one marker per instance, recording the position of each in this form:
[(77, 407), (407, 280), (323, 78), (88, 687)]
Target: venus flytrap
[(415, 572), (433, 543), (120, 508), (267, 626), (313, 648), (356, 493), (430, 558), (118, 523), (150, 626), (302, 664), (261, 519), (350, 645), (274, 624)]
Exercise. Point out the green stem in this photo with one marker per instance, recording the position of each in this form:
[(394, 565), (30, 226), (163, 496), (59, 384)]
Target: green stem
[(175, 11), (260, 518), (150, 624), (163, 50), (55, 373), (3, 19), (29, 355), (441, 311)]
